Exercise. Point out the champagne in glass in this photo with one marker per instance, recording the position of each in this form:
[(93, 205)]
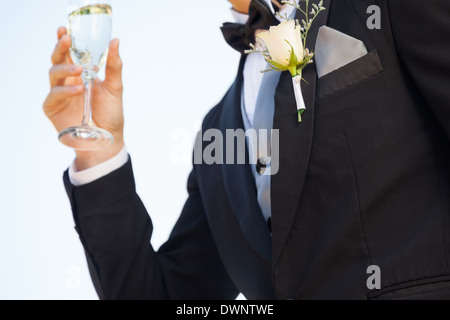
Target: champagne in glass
[(90, 24)]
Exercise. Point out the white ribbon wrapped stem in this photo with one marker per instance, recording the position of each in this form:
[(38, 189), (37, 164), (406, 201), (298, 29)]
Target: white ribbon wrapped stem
[(297, 81)]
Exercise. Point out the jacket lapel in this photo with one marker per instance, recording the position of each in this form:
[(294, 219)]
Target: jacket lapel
[(295, 142), (238, 178)]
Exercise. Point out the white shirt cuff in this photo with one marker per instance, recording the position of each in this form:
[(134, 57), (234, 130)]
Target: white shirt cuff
[(99, 171), (240, 18)]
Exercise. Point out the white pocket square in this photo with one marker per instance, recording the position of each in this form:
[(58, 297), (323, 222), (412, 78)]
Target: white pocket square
[(335, 49)]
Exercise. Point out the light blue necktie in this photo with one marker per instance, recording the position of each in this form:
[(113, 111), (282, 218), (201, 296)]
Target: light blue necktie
[(263, 119)]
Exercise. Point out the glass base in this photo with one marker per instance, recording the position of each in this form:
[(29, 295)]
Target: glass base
[(86, 138)]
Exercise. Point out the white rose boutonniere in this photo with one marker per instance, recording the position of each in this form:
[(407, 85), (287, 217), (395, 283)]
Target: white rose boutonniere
[(284, 47)]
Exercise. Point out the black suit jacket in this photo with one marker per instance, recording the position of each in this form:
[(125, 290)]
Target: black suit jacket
[(364, 180)]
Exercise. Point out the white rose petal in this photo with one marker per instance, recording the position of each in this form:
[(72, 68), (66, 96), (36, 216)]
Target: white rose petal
[(276, 48), (298, 47), (279, 40)]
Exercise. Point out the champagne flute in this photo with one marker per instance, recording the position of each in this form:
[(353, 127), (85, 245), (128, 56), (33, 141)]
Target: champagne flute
[(90, 24)]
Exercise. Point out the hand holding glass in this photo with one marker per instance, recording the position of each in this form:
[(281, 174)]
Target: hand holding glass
[(90, 24)]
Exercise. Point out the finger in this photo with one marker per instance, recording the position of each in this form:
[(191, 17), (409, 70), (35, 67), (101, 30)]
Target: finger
[(58, 94), (61, 50), (60, 72), (113, 73), (61, 32)]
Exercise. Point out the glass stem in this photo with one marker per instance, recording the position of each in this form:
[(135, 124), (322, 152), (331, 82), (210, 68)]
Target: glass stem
[(87, 114)]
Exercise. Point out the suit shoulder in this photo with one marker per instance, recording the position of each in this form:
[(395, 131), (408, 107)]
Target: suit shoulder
[(212, 118)]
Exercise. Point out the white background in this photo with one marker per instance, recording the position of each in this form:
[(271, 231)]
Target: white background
[(177, 66)]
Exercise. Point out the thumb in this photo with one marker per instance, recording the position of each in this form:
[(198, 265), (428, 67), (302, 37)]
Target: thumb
[(113, 72)]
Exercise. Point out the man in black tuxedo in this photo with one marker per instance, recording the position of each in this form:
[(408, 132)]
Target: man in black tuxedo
[(363, 181)]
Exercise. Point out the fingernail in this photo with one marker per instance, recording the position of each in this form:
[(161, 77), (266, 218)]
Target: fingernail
[(74, 69), (118, 44), (77, 88)]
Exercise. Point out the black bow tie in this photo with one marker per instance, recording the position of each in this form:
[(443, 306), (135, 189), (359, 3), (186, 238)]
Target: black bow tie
[(240, 36)]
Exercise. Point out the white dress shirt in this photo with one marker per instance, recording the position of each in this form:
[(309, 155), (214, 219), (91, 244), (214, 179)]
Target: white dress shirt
[(252, 82)]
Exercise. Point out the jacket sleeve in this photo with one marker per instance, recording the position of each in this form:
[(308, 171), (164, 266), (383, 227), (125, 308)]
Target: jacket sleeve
[(115, 230), (421, 31)]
